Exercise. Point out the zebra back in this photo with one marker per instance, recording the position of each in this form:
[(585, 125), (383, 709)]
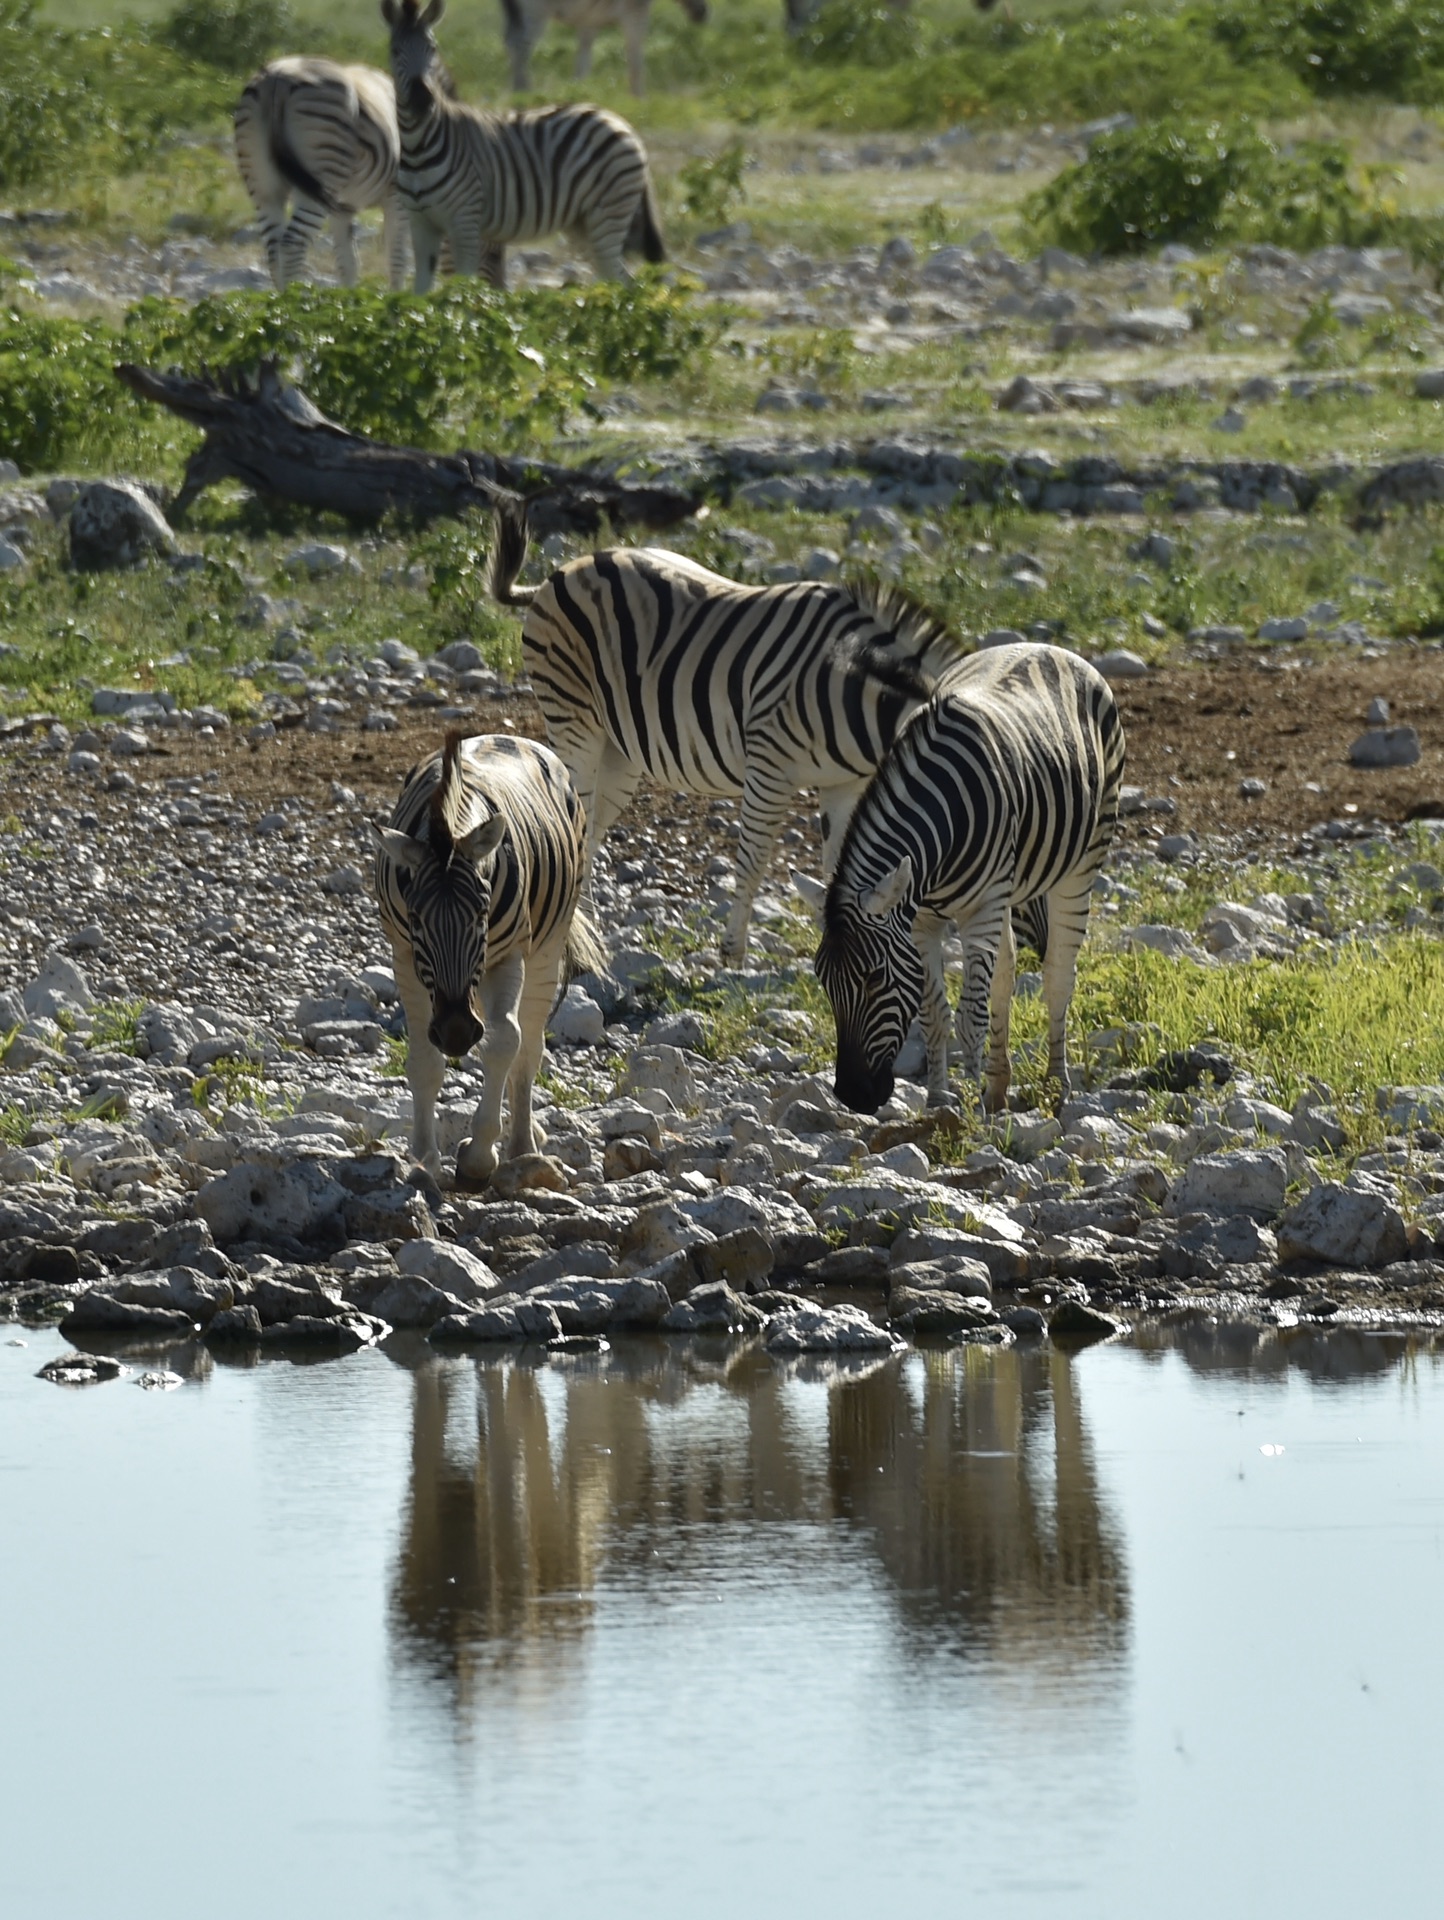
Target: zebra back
[(536, 877)]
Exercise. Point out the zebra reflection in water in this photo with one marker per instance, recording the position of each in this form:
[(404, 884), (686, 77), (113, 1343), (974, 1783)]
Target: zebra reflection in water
[(529, 1486)]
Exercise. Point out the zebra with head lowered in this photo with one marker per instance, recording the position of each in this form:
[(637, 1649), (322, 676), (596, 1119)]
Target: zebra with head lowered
[(482, 180), (478, 878), (525, 21), (645, 663), (325, 138), (997, 800)]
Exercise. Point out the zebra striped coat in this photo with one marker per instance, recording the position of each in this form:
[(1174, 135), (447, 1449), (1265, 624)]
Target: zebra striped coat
[(323, 138), (1000, 794), (478, 878), (482, 180), (645, 663), (525, 21)]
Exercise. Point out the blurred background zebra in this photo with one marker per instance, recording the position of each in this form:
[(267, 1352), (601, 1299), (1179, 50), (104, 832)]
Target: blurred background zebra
[(478, 878), (645, 663), (324, 139), (482, 180), (1001, 792), (525, 21)]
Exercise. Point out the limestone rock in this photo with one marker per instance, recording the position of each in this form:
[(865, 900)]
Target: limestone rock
[(448, 1267), (254, 1202), (1251, 1182), (113, 523), (1354, 1225), (817, 1329)]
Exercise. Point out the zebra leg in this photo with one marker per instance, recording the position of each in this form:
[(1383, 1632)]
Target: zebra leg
[(343, 234), (501, 992), (539, 994), (999, 1073), (425, 1065), (763, 812), (393, 239), (835, 808), (426, 246), (928, 932), (1067, 924), (981, 934), (306, 221), (273, 236)]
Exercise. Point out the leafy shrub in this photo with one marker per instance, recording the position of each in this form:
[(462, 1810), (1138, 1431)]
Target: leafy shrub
[(1390, 47), (429, 370), (1204, 184), (863, 33), (235, 35), (43, 110), (711, 184)]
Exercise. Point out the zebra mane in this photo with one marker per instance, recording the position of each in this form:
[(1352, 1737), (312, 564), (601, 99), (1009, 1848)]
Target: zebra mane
[(449, 818), (916, 646)]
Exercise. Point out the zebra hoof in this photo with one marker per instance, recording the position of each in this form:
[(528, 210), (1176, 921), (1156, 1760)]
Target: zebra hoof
[(475, 1164)]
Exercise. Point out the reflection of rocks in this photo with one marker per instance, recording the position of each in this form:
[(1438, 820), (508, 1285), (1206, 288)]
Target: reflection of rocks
[(971, 1478)]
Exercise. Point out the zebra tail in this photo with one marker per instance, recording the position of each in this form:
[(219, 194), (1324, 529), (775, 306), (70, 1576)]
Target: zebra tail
[(299, 175), (586, 951), (508, 550), (644, 236)]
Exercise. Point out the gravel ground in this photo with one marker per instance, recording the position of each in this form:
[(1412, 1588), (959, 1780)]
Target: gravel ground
[(206, 1127)]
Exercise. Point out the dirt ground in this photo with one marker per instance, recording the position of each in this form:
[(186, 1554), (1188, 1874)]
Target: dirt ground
[(1194, 733)]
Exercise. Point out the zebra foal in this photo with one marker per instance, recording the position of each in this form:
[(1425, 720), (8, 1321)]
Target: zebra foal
[(325, 138), (998, 799), (482, 180), (644, 663), (478, 877), (525, 21)]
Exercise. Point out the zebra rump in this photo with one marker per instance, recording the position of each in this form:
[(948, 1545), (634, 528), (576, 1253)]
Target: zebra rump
[(645, 663), (993, 811), (325, 136), (478, 877)]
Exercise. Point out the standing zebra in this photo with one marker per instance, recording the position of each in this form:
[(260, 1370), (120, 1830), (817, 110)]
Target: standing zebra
[(1001, 793), (478, 877), (525, 22), (482, 180), (326, 137), (645, 663)]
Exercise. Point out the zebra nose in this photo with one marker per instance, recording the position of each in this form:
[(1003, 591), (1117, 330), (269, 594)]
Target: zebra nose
[(455, 1031), (862, 1089)]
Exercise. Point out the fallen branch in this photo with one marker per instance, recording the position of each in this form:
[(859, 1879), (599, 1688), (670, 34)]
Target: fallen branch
[(271, 438)]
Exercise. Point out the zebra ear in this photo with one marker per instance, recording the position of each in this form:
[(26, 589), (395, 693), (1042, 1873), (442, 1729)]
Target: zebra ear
[(390, 12), (407, 853), (885, 899), (482, 842), (812, 892), (432, 14)]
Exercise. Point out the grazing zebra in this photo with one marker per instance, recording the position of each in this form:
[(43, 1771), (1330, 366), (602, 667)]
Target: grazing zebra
[(482, 180), (526, 20), (478, 877), (1001, 793), (324, 137), (645, 663)]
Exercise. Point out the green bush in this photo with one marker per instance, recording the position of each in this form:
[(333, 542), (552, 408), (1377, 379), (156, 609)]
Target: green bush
[(711, 184), (435, 370), (235, 35), (866, 33), (43, 109), (1205, 184), (1389, 47)]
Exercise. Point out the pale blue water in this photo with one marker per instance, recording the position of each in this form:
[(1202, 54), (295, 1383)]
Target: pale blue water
[(668, 1634)]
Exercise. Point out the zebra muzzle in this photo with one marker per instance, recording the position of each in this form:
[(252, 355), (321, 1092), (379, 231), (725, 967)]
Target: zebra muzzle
[(454, 1031)]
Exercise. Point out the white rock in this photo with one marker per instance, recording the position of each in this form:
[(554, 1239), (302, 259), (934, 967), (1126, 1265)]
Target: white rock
[(578, 1020), (11, 556), (59, 987), (318, 559), (828, 1330), (252, 1202), (1174, 942), (1287, 629), (1386, 747), (344, 880), (451, 1268), (1122, 665), (664, 1069), (1155, 325), (114, 523), (1357, 1225), (1248, 1182)]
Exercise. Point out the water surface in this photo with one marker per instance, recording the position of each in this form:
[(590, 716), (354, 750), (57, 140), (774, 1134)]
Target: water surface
[(1151, 1629)]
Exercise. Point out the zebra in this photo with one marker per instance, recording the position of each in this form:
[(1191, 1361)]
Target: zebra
[(1001, 794), (325, 137), (478, 877), (644, 662), (525, 21), (481, 180)]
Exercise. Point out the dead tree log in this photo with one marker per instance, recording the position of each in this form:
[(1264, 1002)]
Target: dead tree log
[(271, 438)]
